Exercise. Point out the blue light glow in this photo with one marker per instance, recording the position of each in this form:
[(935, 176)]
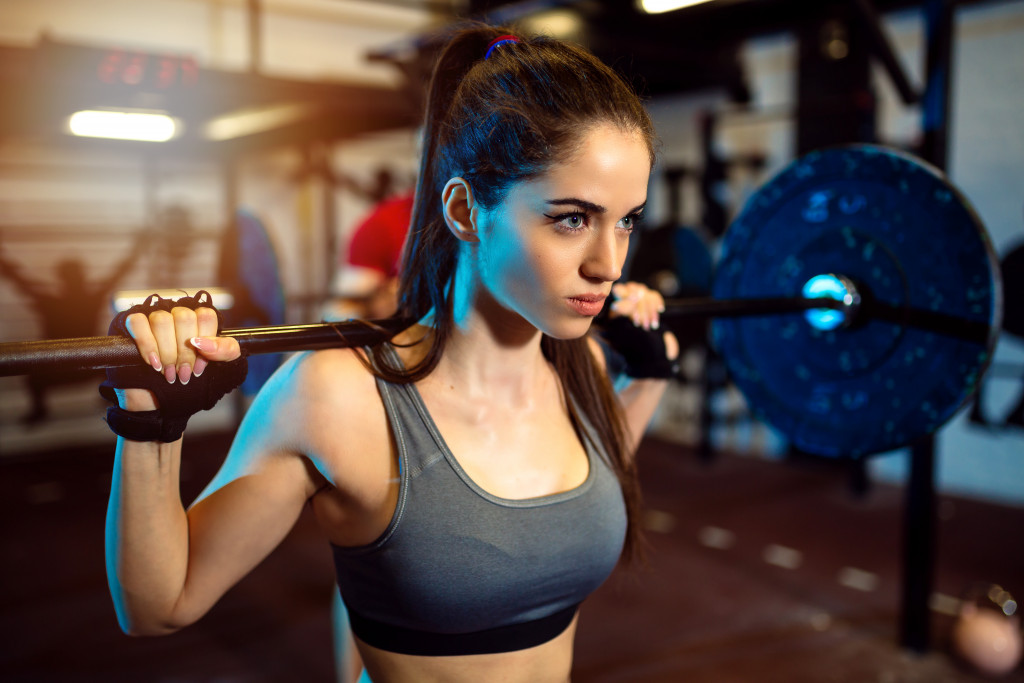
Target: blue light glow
[(826, 287)]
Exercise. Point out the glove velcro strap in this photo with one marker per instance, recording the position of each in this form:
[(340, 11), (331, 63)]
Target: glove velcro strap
[(144, 425)]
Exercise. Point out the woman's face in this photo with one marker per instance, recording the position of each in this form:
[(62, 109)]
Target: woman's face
[(552, 248)]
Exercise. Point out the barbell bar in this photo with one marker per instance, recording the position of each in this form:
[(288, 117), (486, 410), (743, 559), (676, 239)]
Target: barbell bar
[(96, 353)]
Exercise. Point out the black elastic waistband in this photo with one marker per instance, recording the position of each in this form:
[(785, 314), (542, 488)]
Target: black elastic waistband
[(428, 643)]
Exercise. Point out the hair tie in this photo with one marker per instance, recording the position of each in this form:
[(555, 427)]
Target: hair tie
[(498, 41)]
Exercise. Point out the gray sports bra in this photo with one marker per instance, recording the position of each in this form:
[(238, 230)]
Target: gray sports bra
[(460, 571)]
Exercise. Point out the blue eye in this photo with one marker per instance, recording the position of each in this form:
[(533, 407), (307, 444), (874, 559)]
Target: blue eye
[(629, 222), (570, 222)]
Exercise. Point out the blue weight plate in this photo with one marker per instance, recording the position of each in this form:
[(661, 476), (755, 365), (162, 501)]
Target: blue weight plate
[(909, 241)]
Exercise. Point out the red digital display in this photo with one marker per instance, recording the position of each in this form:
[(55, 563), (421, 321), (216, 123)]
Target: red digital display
[(121, 67), (116, 67)]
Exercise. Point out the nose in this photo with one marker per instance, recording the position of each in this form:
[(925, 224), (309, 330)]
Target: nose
[(604, 256)]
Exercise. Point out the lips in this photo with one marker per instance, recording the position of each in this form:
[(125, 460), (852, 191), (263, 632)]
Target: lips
[(587, 304)]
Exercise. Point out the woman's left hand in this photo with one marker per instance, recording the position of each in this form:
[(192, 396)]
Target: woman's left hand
[(644, 307), (638, 302)]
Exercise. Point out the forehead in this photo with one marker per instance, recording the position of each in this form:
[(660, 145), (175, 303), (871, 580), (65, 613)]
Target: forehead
[(607, 161)]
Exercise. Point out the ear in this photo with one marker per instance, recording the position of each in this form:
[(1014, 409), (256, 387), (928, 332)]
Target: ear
[(460, 210)]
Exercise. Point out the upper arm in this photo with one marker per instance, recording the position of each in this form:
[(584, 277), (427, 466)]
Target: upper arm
[(639, 398), (258, 494)]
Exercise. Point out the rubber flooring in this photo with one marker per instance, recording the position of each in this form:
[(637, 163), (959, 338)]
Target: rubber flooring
[(754, 571)]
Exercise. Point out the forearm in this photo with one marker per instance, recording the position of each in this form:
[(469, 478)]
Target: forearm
[(155, 560), (147, 537), (640, 399)]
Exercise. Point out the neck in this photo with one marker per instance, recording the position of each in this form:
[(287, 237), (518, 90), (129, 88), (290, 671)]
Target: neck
[(492, 351)]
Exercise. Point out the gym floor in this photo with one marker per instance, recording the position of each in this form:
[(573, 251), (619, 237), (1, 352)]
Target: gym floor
[(755, 571)]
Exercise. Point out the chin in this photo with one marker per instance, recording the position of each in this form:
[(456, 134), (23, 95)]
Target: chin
[(566, 330)]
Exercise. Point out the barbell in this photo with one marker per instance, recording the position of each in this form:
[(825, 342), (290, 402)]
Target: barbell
[(856, 305)]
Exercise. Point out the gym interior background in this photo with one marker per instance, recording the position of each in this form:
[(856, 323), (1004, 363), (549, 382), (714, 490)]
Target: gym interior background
[(291, 109)]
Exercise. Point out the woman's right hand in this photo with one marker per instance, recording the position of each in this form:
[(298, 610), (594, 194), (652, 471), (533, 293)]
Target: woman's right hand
[(179, 344)]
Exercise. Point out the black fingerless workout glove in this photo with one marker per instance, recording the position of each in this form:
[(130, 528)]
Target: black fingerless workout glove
[(177, 402), (636, 352)]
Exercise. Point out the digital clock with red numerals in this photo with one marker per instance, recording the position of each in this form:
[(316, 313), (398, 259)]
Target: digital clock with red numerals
[(122, 67)]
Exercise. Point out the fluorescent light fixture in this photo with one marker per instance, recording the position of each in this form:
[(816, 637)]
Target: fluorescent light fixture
[(659, 6), (123, 125), (565, 24), (251, 121)]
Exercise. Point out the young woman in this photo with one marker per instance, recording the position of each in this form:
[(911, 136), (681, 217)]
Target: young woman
[(474, 476)]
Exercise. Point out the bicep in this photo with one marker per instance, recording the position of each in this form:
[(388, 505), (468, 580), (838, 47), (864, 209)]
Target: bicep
[(251, 504), (236, 524)]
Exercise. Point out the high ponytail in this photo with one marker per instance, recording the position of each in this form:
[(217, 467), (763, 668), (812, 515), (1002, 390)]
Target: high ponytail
[(428, 260)]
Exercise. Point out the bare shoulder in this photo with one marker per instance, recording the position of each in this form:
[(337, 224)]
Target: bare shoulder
[(318, 393), (329, 375)]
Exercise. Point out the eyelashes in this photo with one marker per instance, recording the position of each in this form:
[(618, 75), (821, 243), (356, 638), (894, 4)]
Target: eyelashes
[(632, 220), (569, 222), (575, 221)]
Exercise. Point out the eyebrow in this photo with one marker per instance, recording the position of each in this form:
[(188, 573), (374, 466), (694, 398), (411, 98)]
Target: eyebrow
[(590, 206)]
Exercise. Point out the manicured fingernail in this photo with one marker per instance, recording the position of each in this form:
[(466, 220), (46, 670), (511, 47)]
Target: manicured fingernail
[(185, 373), (198, 368), (655, 325), (201, 344), (154, 361), (169, 374)]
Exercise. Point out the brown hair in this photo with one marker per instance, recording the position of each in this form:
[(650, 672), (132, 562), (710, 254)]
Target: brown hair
[(496, 122)]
